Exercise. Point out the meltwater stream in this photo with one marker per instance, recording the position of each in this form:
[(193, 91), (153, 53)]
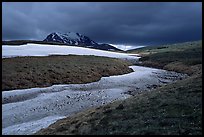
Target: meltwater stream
[(29, 110)]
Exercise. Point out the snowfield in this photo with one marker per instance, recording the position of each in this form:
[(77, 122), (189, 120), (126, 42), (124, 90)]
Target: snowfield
[(29, 110), (9, 51)]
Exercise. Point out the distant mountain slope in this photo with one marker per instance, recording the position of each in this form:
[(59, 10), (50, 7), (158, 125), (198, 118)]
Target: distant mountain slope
[(70, 38), (107, 46), (77, 39)]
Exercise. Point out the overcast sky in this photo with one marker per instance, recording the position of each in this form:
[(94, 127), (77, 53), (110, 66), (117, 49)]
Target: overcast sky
[(125, 23)]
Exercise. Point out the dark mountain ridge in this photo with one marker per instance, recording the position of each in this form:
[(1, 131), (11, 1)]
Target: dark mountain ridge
[(68, 39)]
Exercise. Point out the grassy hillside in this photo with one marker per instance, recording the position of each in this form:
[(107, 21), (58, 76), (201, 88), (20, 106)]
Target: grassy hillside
[(182, 57), (174, 109), (166, 48), (29, 72)]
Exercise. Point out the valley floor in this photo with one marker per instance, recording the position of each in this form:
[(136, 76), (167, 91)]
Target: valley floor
[(166, 109), (27, 111), (174, 109)]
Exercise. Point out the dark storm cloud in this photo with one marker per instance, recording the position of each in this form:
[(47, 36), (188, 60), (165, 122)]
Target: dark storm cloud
[(133, 23)]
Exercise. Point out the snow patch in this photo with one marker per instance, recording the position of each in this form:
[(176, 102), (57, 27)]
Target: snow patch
[(46, 50), (30, 127)]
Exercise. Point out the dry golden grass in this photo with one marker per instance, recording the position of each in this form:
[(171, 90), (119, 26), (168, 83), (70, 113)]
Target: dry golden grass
[(29, 72)]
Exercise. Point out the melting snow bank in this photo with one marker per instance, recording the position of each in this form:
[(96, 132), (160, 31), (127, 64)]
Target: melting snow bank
[(27, 111), (46, 50), (30, 127)]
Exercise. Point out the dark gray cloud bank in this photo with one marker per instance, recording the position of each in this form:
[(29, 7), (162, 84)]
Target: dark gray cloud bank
[(129, 23)]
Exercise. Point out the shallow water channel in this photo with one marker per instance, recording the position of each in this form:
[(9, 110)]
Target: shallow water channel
[(29, 110)]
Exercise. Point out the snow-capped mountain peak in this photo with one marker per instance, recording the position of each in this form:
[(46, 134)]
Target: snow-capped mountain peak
[(71, 35), (71, 38), (77, 39)]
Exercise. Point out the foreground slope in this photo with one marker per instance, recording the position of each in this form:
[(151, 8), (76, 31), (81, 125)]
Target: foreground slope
[(173, 109)]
